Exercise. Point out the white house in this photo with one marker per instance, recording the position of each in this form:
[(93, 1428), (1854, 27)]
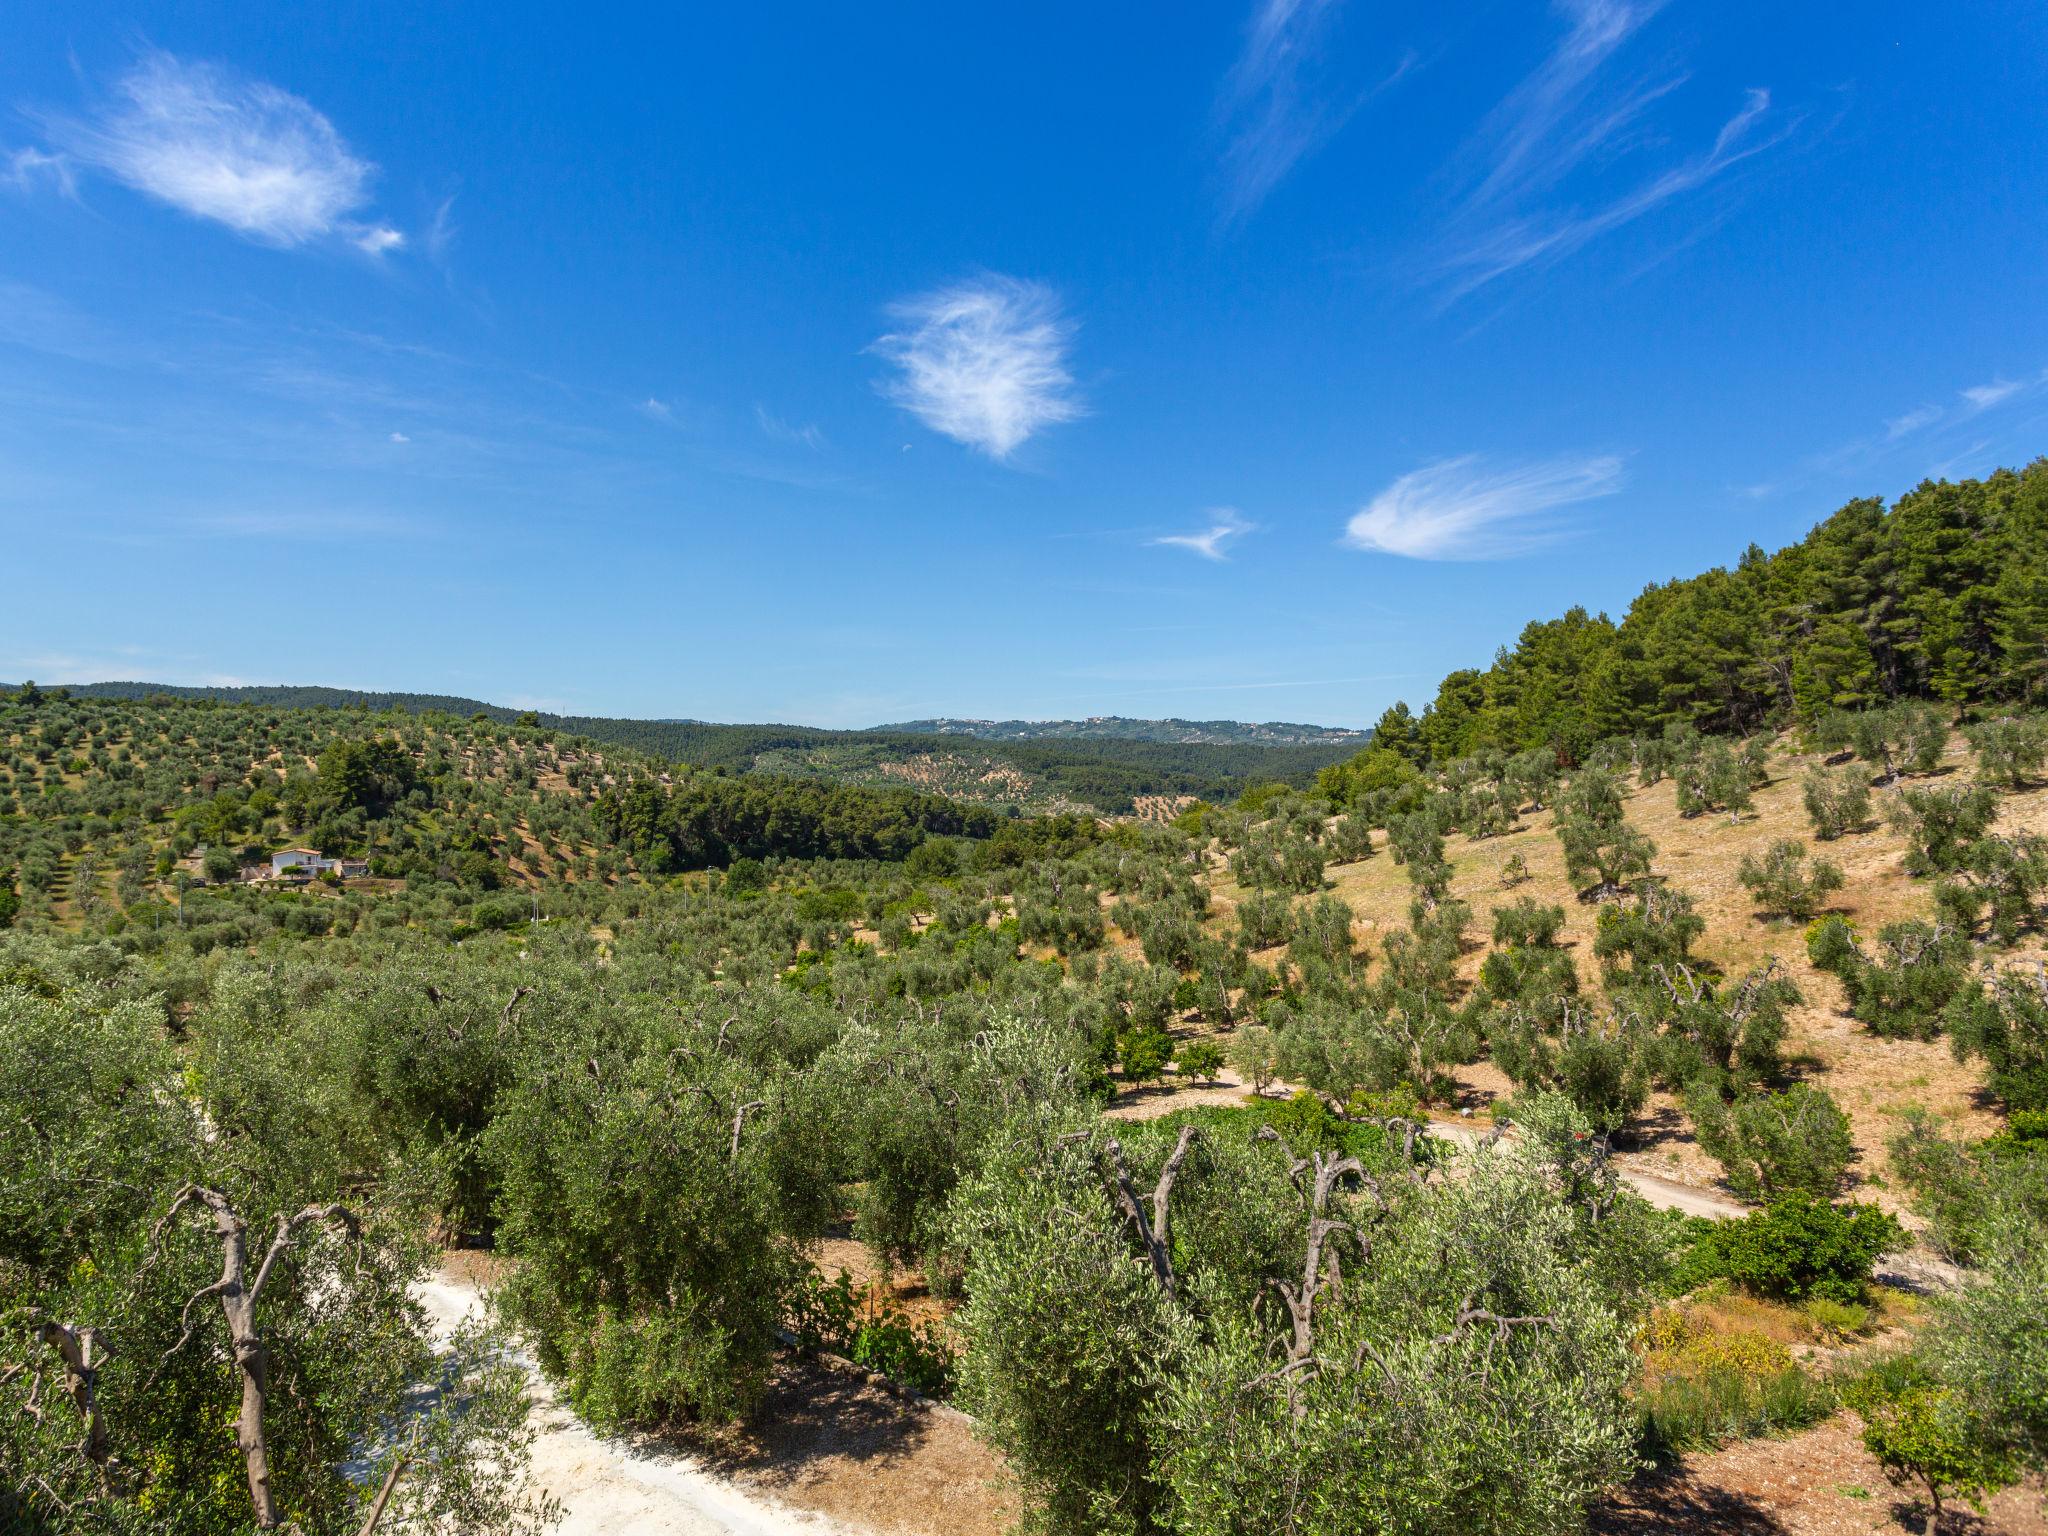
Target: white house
[(303, 861)]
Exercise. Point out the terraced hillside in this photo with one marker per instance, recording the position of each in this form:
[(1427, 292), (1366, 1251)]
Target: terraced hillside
[(167, 811)]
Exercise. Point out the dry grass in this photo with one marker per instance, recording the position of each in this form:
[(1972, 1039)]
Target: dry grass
[(1875, 1080)]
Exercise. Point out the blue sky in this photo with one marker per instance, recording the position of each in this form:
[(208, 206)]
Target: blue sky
[(846, 364)]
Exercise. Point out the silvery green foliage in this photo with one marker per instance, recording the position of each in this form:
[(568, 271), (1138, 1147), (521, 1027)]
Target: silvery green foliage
[(1332, 1347)]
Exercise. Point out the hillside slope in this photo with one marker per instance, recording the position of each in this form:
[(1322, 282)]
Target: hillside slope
[(1876, 1080), (115, 812), (1115, 772)]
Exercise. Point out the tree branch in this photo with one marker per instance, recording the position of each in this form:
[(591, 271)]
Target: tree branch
[(1153, 1232)]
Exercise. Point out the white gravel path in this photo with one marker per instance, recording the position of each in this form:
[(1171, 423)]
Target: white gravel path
[(613, 1487)]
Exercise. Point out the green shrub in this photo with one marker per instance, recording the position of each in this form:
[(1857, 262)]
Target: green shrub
[(1836, 1319), (502, 913), (1941, 824), (1702, 1386), (870, 1331), (2009, 752), (1658, 926), (1797, 1248), (1901, 990), (1715, 778), (2006, 1023), (1254, 1052), (1698, 1412), (1306, 1124), (1598, 1060), (1143, 1054), (1923, 1435)]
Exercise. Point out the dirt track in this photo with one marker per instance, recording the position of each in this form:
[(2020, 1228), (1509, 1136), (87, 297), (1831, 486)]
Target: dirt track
[(612, 1487)]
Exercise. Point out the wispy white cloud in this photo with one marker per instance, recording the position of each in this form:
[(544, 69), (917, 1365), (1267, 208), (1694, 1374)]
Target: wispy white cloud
[(1518, 210), (1531, 139), (441, 231), (1983, 396), (400, 437), (1272, 108), (1226, 525), (1931, 440), (660, 410), (774, 426), (983, 362), (1912, 421), (1458, 509), (29, 169), (240, 152), (1970, 456), (1518, 241)]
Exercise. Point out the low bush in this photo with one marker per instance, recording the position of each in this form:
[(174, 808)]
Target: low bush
[(2006, 1023), (1924, 1437), (1783, 885), (872, 1332), (1200, 1060), (1837, 803), (1900, 990), (1702, 1388), (2009, 752), (1795, 1249)]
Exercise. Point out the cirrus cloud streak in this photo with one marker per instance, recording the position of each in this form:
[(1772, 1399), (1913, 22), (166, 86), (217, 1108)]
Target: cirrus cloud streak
[(1459, 509), (1226, 524)]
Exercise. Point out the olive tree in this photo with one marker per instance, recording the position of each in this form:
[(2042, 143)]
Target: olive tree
[(1173, 1329)]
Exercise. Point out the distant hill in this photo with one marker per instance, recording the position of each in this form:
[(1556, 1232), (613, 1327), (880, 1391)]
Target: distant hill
[(1121, 728), (1113, 766)]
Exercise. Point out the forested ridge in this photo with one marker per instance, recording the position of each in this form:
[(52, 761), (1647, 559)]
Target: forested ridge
[(1113, 727), (1285, 1166), (1942, 595)]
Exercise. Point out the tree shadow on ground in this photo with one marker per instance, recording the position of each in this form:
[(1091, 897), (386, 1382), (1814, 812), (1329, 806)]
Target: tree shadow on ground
[(1956, 1519), (815, 1409), (1661, 1126), (1670, 1500)]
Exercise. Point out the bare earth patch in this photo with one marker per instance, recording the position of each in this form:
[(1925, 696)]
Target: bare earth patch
[(830, 1441), (1817, 1483)]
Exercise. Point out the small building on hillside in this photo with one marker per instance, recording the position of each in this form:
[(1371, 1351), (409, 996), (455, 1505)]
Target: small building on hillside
[(305, 863)]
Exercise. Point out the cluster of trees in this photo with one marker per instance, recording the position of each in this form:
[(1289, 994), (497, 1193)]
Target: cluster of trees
[(100, 801), (1229, 1322), (205, 1319), (707, 822), (658, 1151), (1943, 595)]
